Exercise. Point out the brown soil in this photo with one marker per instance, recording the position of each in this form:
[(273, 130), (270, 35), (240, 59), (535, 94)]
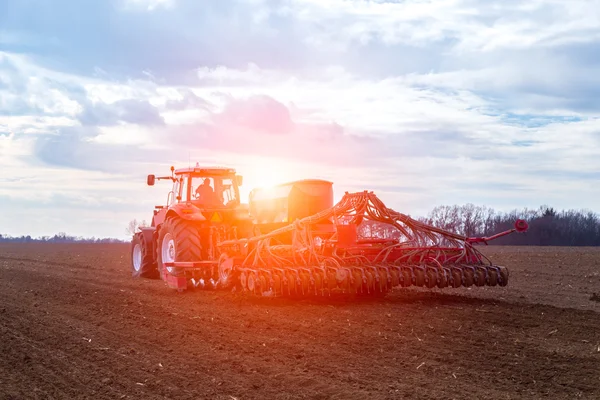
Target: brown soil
[(74, 324)]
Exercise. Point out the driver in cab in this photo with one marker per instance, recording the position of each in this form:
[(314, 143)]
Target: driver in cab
[(205, 192)]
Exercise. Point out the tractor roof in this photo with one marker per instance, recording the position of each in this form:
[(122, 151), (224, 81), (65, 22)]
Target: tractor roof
[(200, 170)]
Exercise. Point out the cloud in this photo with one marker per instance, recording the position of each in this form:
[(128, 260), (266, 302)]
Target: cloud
[(399, 120), (258, 113), (468, 25), (129, 44), (187, 99), (490, 49), (130, 111), (148, 5), (69, 148)]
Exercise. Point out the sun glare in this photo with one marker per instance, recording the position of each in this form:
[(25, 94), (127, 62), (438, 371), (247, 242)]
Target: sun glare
[(266, 173), (266, 177)]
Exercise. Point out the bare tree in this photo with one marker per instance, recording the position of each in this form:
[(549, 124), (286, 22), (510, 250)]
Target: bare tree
[(547, 226), (135, 225), (447, 218)]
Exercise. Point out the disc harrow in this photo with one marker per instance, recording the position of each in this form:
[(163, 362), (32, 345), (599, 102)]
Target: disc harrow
[(324, 254)]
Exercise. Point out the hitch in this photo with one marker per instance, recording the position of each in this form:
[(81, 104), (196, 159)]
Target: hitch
[(520, 226)]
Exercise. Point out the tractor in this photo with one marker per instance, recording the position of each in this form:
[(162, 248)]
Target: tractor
[(292, 240), (202, 208)]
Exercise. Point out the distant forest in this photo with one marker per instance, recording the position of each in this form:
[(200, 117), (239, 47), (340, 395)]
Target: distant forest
[(58, 238), (547, 227)]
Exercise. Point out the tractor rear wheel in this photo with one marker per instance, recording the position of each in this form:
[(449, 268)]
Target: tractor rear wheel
[(178, 240), (142, 262)]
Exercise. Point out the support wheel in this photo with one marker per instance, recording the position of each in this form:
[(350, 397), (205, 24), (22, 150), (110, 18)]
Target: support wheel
[(468, 276), (431, 278), (480, 277), (443, 278), (419, 276), (407, 277), (503, 278), (457, 277), (492, 276)]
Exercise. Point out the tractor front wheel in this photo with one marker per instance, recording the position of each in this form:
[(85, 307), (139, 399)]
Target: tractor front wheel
[(142, 262)]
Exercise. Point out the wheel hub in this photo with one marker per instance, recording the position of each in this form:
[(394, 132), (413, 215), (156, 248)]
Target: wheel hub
[(168, 251), (171, 250), (137, 257)]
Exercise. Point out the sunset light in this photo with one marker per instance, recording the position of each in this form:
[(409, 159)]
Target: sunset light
[(266, 173)]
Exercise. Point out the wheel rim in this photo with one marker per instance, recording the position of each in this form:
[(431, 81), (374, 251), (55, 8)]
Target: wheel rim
[(137, 257), (168, 251)]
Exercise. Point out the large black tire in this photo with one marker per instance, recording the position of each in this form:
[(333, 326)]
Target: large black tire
[(184, 237), (143, 264)]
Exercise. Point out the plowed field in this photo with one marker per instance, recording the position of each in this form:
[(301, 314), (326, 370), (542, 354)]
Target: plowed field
[(74, 324)]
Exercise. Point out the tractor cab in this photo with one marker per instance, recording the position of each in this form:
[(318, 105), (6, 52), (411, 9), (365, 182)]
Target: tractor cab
[(204, 187), (207, 187), (201, 194)]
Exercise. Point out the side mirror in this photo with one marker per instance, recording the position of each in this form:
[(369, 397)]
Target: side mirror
[(239, 179), (150, 180)]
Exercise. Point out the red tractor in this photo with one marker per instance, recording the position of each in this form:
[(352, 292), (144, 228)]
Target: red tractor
[(203, 207), (292, 240)]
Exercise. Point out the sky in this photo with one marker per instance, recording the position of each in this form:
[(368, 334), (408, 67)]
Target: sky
[(424, 102)]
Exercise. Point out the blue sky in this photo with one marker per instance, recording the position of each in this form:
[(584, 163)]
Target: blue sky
[(425, 102)]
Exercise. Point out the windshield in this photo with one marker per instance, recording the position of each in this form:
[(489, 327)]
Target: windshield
[(213, 191)]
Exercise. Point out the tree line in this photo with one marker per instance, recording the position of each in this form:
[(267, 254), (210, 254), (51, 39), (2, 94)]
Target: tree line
[(58, 238), (62, 237), (547, 226)]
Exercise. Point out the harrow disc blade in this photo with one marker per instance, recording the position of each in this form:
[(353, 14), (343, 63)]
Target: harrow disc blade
[(367, 280)]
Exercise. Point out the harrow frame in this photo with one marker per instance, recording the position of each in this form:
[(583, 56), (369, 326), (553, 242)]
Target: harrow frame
[(335, 260)]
